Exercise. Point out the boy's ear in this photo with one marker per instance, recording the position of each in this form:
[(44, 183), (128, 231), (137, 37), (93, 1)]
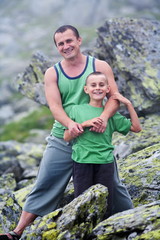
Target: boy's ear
[(108, 89), (85, 89)]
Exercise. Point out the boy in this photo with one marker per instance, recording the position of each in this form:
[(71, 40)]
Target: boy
[(93, 152)]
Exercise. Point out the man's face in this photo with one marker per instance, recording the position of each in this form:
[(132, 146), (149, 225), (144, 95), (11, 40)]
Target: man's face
[(68, 44)]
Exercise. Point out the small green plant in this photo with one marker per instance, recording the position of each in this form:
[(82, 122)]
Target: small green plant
[(19, 130)]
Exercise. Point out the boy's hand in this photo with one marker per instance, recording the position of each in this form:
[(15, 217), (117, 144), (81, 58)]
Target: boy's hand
[(101, 127), (94, 122)]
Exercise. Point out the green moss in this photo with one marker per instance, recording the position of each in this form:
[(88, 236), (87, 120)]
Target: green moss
[(152, 235), (152, 72), (21, 194), (19, 130), (50, 235), (141, 180), (136, 97), (151, 78), (120, 63), (10, 201)]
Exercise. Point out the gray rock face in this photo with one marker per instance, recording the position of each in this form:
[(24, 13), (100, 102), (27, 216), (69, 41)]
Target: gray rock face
[(31, 82), (9, 211), (139, 223), (132, 48), (141, 174), (75, 220)]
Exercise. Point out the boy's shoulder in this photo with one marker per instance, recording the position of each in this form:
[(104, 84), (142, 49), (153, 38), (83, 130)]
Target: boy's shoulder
[(79, 106), (117, 116)]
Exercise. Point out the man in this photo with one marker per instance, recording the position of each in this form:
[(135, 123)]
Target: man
[(63, 88)]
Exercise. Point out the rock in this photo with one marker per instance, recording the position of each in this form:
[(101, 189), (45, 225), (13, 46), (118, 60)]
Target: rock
[(11, 166), (75, 221), (21, 159), (21, 194), (133, 142), (140, 172), (31, 82), (9, 211), (139, 223), (131, 47), (7, 181), (28, 154)]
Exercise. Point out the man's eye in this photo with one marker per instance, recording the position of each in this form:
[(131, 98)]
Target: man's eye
[(69, 40), (60, 44)]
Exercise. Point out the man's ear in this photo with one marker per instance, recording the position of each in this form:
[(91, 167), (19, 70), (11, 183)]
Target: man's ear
[(80, 40), (85, 89)]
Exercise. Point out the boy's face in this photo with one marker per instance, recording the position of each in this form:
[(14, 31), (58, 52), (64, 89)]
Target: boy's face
[(97, 87)]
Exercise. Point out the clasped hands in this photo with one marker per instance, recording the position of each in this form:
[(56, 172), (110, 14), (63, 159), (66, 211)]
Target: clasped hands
[(97, 124)]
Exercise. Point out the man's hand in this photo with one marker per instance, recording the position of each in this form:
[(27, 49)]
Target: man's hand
[(75, 129), (101, 127)]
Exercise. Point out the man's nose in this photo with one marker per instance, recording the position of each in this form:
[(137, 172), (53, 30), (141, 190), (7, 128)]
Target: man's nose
[(65, 45)]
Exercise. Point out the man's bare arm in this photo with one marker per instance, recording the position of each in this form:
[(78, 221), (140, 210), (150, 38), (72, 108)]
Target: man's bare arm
[(55, 104), (112, 105), (89, 123)]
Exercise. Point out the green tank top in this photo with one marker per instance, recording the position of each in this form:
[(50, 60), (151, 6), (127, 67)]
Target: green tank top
[(71, 90)]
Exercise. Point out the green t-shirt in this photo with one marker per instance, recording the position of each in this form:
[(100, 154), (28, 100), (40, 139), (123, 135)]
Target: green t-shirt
[(92, 147), (71, 90)]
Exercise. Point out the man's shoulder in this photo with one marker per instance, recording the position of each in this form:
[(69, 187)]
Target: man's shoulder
[(100, 63), (50, 72)]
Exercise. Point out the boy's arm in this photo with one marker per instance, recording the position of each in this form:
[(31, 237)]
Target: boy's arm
[(135, 127), (67, 137)]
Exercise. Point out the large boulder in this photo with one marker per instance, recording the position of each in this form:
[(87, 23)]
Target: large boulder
[(140, 173), (133, 142), (141, 223), (75, 221), (31, 82), (132, 47)]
